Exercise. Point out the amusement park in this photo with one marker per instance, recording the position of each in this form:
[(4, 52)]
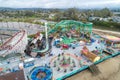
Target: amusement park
[(53, 52)]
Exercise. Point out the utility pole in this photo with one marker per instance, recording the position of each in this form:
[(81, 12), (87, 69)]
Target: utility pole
[(1, 40), (7, 24), (2, 24)]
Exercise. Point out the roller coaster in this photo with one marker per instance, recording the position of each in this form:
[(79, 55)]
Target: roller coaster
[(18, 39), (14, 43)]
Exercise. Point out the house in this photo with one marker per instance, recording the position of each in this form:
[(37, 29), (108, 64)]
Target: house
[(94, 18), (51, 16), (116, 19)]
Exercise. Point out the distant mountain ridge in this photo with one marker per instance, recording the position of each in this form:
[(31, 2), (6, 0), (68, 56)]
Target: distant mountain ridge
[(7, 8), (47, 9)]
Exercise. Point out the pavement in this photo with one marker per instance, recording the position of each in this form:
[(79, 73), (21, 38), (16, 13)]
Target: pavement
[(114, 33), (108, 31)]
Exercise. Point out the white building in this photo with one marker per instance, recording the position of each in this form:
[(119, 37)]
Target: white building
[(51, 16), (116, 19), (94, 18)]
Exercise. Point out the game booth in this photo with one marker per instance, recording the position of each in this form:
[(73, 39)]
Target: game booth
[(112, 41), (112, 44)]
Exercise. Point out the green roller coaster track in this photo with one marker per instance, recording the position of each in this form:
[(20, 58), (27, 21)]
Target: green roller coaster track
[(67, 24)]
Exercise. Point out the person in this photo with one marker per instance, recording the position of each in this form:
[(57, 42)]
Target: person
[(22, 58), (8, 61), (51, 53)]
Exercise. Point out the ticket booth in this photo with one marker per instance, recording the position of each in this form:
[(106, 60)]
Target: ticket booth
[(29, 62)]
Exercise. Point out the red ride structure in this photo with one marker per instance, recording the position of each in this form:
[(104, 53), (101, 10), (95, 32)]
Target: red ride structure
[(16, 44)]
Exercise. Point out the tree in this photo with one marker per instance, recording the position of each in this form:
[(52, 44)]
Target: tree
[(106, 12), (103, 13), (71, 13), (28, 13)]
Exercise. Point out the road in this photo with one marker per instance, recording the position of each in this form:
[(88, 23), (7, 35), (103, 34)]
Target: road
[(108, 32)]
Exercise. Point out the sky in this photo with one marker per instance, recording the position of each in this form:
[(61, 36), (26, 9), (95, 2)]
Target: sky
[(87, 4)]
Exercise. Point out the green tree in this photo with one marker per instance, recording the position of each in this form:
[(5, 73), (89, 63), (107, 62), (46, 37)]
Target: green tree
[(71, 13)]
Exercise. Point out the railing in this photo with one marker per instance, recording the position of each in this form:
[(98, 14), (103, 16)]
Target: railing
[(85, 67)]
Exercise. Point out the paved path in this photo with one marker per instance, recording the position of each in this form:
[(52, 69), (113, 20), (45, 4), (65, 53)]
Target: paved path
[(107, 31)]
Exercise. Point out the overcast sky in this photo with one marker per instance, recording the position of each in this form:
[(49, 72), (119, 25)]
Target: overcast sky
[(60, 3)]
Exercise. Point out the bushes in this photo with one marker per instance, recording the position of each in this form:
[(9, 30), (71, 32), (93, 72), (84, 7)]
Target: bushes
[(31, 36), (107, 25)]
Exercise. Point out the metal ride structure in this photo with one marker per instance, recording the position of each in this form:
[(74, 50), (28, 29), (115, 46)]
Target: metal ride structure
[(47, 44), (16, 44), (68, 24)]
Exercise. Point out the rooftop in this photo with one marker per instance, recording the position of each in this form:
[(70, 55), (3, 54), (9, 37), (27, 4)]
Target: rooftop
[(19, 75)]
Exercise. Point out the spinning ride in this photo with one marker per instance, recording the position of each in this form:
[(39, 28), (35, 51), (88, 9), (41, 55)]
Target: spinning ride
[(41, 73)]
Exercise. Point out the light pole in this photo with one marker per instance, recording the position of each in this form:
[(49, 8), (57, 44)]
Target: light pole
[(46, 32)]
